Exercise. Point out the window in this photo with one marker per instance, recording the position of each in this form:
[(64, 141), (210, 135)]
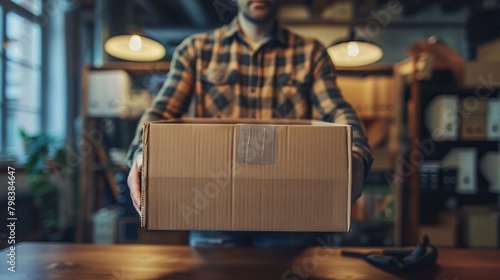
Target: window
[(21, 92), (34, 6)]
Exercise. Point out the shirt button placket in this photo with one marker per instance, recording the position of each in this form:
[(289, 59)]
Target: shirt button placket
[(255, 82)]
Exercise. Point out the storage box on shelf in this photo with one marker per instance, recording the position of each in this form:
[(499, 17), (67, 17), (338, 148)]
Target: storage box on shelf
[(481, 227)]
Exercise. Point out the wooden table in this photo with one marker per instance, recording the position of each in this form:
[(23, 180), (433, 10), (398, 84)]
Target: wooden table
[(127, 262)]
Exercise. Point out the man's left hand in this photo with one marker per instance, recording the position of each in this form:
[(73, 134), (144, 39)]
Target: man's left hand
[(358, 171)]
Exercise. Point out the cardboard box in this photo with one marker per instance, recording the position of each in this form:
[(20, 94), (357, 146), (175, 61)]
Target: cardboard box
[(481, 226), (474, 127), (473, 113), (370, 96), (445, 232), (472, 106), (489, 51), (276, 175), (482, 76), (360, 94)]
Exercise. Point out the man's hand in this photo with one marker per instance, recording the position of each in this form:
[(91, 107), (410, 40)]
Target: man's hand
[(134, 183), (358, 170)]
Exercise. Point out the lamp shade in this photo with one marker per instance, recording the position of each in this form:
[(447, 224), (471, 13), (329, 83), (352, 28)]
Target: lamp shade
[(134, 48), (354, 52)]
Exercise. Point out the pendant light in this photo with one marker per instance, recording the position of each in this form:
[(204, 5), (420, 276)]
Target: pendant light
[(124, 27), (134, 48), (354, 52)]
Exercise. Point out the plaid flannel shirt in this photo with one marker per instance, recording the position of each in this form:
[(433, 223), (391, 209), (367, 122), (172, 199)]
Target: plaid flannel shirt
[(287, 76)]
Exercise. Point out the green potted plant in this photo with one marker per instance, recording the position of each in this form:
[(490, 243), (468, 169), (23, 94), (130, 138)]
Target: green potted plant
[(43, 163)]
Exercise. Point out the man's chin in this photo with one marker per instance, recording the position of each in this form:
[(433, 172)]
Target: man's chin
[(259, 19)]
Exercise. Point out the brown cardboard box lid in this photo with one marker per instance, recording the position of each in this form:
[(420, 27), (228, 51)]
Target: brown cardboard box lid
[(482, 76), (489, 51), (246, 174)]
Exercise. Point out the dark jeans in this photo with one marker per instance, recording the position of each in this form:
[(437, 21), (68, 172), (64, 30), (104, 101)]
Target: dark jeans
[(251, 239)]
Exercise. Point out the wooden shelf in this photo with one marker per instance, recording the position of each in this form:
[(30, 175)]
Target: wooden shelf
[(351, 23), (373, 69), (137, 68), (374, 223), (429, 91), (112, 166), (321, 21), (460, 141)]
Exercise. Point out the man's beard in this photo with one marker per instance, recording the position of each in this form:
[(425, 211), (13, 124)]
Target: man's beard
[(266, 19)]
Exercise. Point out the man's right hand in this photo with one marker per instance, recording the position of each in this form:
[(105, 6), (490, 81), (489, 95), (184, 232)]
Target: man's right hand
[(134, 182)]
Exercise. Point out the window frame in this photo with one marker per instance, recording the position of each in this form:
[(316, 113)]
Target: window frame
[(6, 7)]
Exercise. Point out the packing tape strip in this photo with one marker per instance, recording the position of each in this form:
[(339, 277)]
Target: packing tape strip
[(255, 144)]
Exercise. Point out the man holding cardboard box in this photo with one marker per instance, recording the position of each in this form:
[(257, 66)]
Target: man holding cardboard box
[(252, 68)]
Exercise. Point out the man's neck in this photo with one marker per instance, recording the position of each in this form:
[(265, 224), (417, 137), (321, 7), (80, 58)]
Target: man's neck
[(255, 32)]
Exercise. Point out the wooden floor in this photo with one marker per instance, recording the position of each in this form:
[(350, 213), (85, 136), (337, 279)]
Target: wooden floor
[(127, 262)]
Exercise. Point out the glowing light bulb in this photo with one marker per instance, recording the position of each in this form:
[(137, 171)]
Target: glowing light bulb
[(135, 43), (352, 49)]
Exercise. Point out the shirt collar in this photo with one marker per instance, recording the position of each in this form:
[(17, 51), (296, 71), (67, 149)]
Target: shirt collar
[(279, 33)]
